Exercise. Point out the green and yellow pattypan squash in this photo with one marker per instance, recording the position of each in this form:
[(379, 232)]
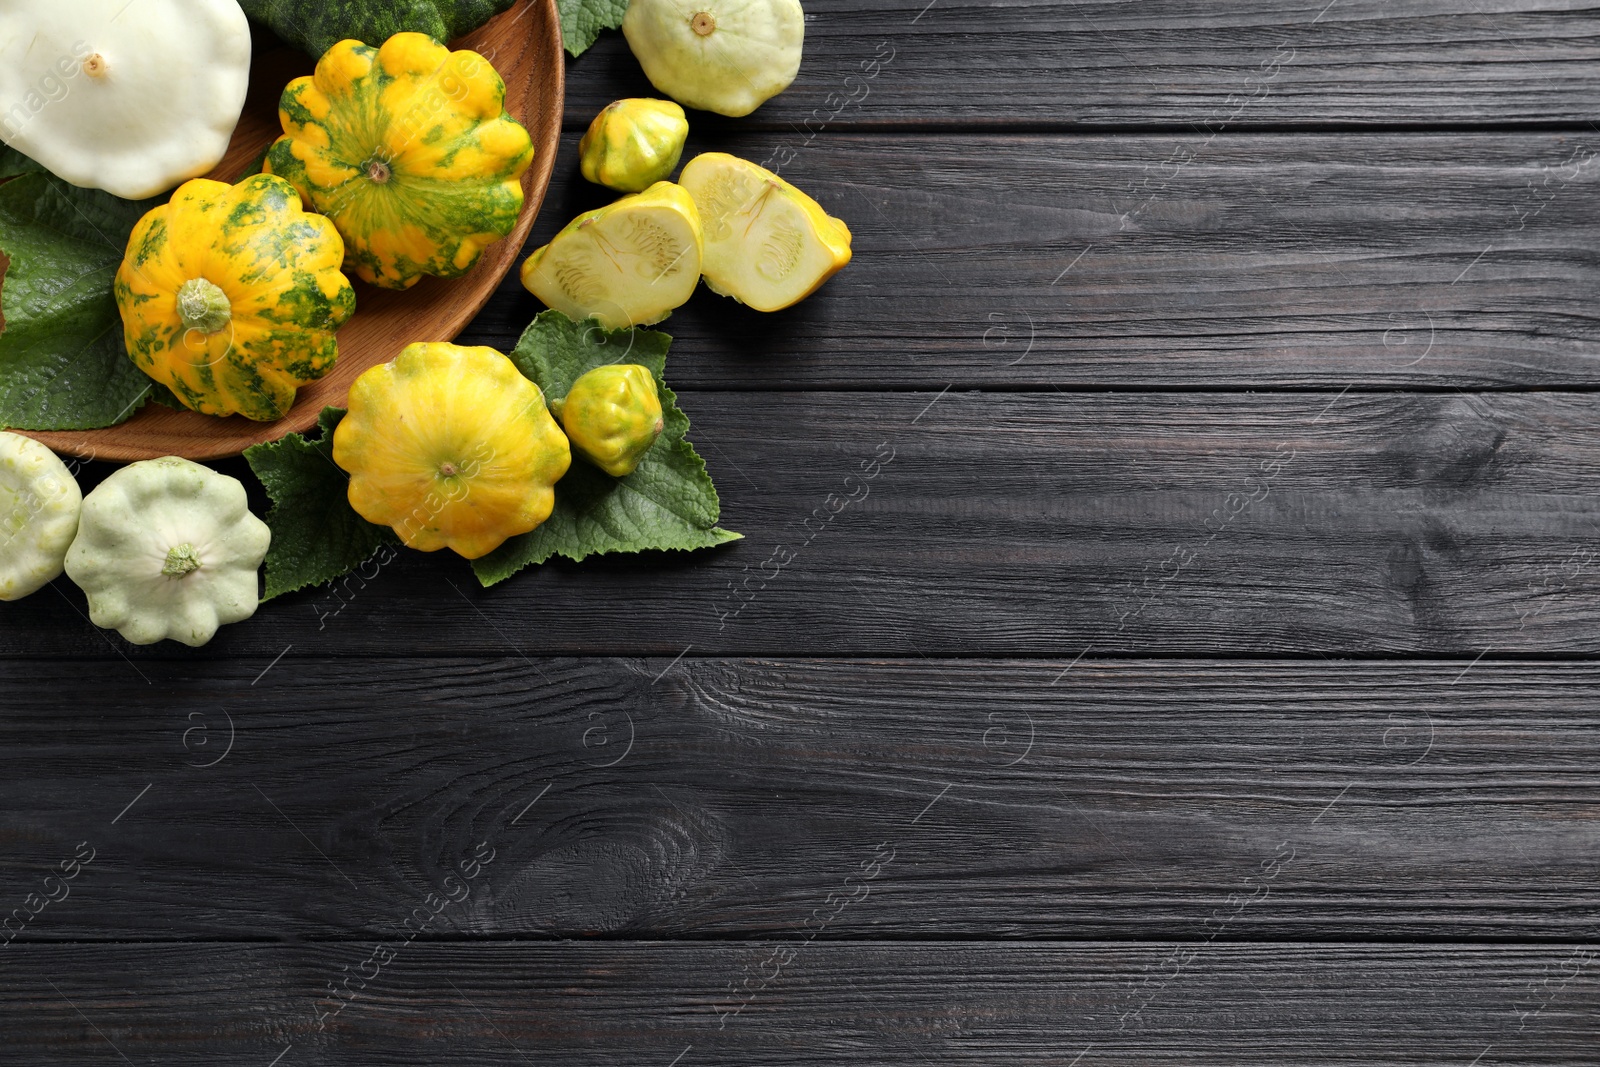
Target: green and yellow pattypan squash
[(767, 244), (612, 415), (168, 549), (39, 503), (452, 447), (626, 264), (408, 149), (727, 56), (632, 144), (231, 294)]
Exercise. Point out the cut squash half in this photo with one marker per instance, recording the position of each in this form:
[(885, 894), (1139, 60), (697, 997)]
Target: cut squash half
[(767, 244), (627, 264)]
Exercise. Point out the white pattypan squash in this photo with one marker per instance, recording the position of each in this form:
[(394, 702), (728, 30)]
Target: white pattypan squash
[(129, 98), (727, 56), (167, 548), (39, 502)]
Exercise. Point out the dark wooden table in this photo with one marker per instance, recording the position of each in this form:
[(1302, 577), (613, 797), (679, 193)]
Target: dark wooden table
[(1186, 655)]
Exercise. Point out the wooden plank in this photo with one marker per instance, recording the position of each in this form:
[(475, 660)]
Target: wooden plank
[(951, 1002), (1227, 63), (1161, 261), (710, 798), (1033, 525)]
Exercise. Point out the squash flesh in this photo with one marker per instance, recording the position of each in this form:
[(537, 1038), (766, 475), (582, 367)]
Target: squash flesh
[(630, 263), (767, 244)]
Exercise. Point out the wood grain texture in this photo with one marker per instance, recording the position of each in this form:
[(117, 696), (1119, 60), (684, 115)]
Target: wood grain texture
[(1036, 525), (983, 839), (1160, 261), (961, 1003), (1227, 63), (712, 798), (524, 44)]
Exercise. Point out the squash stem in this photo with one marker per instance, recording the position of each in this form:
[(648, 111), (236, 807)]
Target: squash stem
[(182, 561), (203, 306)]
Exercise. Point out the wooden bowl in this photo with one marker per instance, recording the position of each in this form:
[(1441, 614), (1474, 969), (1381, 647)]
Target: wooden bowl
[(524, 44)]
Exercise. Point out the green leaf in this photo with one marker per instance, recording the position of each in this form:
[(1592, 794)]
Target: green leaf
[(668, 502), (13, 163), (62, 361), (315, 26), (316, 535), (582, 21), (160, 394)]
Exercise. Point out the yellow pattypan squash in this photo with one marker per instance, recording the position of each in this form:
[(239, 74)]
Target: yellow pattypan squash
[(230, 296), (452, 447), (408, 149)]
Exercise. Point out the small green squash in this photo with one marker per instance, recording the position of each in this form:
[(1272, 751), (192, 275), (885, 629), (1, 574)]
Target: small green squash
[(632, 144), (612, 415)]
